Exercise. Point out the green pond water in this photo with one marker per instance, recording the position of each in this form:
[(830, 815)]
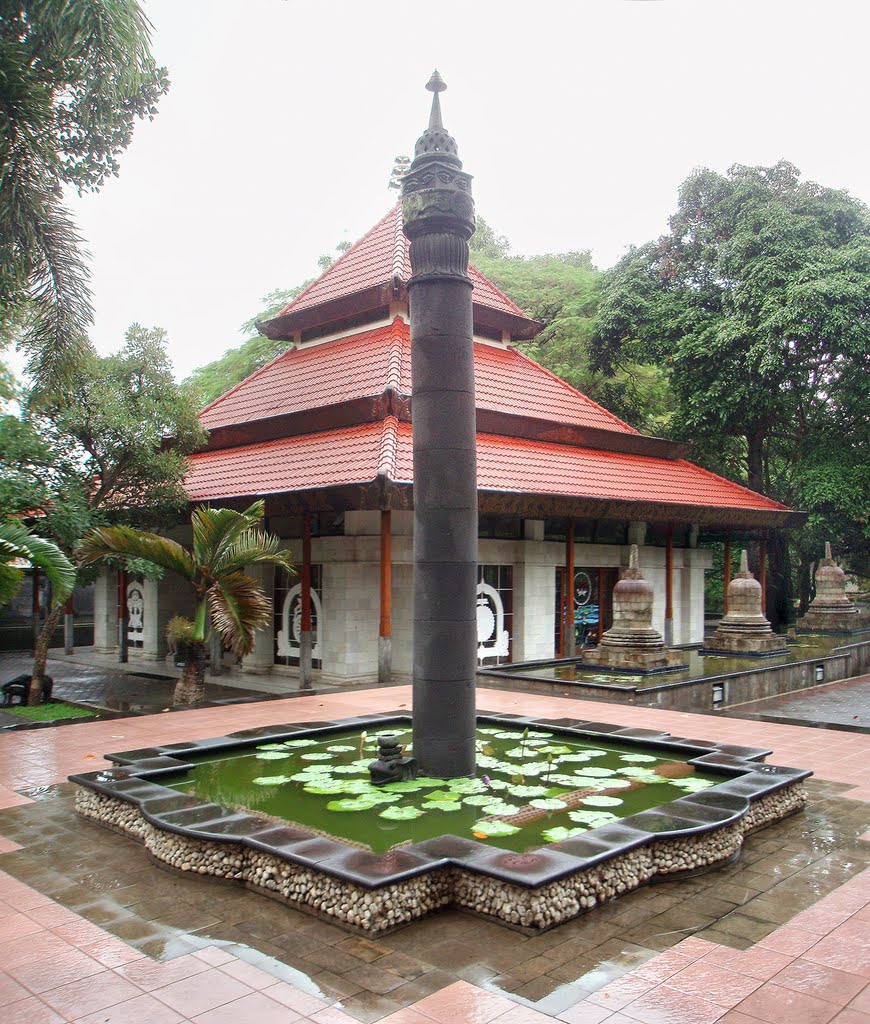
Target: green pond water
[(322, 782), (698, 666)]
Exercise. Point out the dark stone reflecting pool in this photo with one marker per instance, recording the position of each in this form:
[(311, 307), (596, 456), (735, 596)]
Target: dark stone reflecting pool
[(573, 864)]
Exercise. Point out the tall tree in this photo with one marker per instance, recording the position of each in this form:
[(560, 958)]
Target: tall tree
[(74, 78), (101, 453), (757, 304), (563, 291), (224, 543)]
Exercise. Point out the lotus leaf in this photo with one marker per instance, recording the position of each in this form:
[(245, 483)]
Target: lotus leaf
[(301, 743), (578, 758), (595, 773), (340, 748), (478, 800), (411, 786), (539, 735), (691, 785), (500, 808), (592, 818), (272, 746), (427, 783), (494, 828), (601, 801), (549, 804), (323, 756), (466, 785), (347, 769), (498, 784), (401, 813), (558, 834), (273, 755), (525, 791), (271, 780), (638, 758), (441, 805), (360, 803), (321, 787), (644, 775), (442, 794), (553, 748)]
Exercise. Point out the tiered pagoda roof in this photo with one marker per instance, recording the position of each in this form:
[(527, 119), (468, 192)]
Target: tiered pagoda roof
[(328, 423)]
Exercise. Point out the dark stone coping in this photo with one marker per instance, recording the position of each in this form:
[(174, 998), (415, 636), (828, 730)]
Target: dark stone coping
[(136, 774), (721, 652)]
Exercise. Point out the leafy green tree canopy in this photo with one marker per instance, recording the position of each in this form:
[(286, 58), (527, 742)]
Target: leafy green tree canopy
[(757, 304), (74, 78)]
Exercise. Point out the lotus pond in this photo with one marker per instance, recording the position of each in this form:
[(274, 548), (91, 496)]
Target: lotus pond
[(533, 787)]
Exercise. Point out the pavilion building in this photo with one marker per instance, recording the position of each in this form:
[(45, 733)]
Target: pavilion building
[(323, 434)]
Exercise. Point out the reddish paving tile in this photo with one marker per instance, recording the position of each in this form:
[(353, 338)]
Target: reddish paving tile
[(585, 1013), (405, 1016), (254, 1007), (202, 992), (665, 1005), (861, 1001), (296, 999), (89, 994), (788, 940), (42, 974), (718, 984), (150, 975), (846, 948), (462, 1003), (775, 1004), (835, 986), (144, 1009), (620, 992), (756, 962)]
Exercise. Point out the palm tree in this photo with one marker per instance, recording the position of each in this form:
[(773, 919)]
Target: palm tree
[(224, 543), (18, 548)]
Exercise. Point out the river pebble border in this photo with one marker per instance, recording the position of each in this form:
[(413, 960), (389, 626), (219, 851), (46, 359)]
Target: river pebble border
[(374, 894)]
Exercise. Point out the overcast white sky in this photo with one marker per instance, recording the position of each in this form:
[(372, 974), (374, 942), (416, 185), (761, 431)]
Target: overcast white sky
[(577, 119)]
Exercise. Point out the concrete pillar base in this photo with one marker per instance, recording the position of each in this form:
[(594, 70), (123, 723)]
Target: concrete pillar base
[(385, 659)]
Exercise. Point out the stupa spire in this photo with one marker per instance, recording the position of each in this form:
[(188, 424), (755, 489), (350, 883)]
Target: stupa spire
[(435, 85), (435, 143), (744, 563)]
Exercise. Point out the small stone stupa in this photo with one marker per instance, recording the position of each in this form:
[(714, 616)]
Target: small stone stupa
[(631, 643), (745, 630), (830, 610)]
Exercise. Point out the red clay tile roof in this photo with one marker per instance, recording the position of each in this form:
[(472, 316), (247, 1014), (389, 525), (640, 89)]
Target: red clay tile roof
[(377, 258), (358, 454), (369, 362)]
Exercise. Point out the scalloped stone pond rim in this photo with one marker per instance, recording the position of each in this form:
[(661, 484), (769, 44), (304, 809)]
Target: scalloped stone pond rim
[(376, 893)]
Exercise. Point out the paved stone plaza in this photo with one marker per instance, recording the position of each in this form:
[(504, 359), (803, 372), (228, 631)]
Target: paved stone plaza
[(91, 931)]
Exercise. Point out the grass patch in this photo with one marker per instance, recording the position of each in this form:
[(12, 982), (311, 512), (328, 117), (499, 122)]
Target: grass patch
[(49, 712)]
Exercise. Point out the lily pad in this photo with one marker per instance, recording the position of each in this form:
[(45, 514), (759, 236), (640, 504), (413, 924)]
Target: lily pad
[(549, 804), (273, 755), (272, 746), (271, 780), (441, 805), (323, 787), (317, 756), (525, 791), (347, 769), (478, 800), (401, 813), (601, 801), (404, 787), (638, 758), (558, 834), (592, 818), (595, 773), (691, 785), (360, 803), (301, 743), (443, 794), (500, 808), (493, 828), (465, 785), (340, 748), (554, 748)]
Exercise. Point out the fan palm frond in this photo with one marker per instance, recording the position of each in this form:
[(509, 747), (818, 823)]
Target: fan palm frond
[(18, 543), (238, 609), (125, 542)]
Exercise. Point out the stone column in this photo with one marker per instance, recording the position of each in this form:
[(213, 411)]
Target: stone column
[(105, 613), (439, 219), (306, 636), (262, 657), (385, 630)]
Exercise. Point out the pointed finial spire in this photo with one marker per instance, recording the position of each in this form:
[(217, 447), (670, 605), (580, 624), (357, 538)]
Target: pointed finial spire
[(744, 562), (435, 85), (632, 557), (828, 554)]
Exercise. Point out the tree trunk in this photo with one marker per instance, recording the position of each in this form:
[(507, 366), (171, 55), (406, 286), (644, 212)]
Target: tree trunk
[(779, 580), (34, 695), (191, 686), (805, 584), (755, 461)]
